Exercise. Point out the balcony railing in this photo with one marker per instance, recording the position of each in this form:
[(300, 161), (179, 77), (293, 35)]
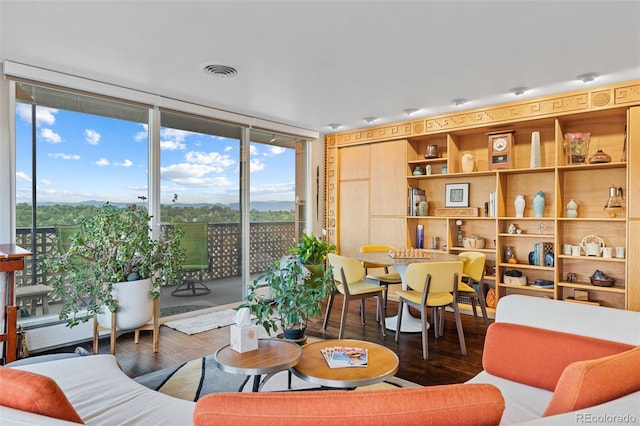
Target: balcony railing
[(269, 241)]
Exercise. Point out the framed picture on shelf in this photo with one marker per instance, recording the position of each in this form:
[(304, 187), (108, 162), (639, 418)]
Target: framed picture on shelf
[(456, 195)]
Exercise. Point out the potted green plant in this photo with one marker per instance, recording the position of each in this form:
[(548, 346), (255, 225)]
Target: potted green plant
[(112, 256), (312, 252), (290, 301)]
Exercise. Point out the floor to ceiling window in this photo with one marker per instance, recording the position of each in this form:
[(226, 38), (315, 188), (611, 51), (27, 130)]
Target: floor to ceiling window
[(75, 151)]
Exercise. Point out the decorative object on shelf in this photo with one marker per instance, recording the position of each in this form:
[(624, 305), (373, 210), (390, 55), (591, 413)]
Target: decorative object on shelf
[(434, 242), (510, 255), (535, 150), (467, 162), (600, 157), (501, 150), (620, 252), (623, 157), (576, 146), (456, 195), (592, 245), (571, 277), (512, 229), (491, 298), (428, 169), (460, 211), (420, 236), (566, 249), (444, 170), (417, 171), (601, 279), (514, 277), (473, 242), (614, 203), (432, 152), (576, 250), (538, 204), (460, 236), (423, 208), (607, 252), (572, 209), (519, 204)]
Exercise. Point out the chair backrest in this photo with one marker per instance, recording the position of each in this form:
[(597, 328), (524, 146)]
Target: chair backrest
[(375, 248), (64, 233), (370, 248), (353, 269), (195, 243), (442, 276), (473, 264)]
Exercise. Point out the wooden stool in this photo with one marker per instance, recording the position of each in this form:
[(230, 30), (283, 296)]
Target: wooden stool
[(32, 293)]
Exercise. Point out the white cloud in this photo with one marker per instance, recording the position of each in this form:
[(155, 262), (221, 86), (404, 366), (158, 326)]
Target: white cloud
[(172, 145), (125, 163), (102, 162), (142, 135), (50, 136), (276, 150), (228, 148), (22, 176), (192, 174), (44, 116), (93, 137), (256, 165), (214, 159), (253, 150), (46, 182), (62, 156), (173, 139)]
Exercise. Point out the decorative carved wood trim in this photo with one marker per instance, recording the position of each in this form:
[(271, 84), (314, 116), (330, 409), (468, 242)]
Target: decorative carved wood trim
[(598, 98)]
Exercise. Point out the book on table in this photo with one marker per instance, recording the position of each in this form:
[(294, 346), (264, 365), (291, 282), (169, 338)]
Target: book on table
[(342, 356)]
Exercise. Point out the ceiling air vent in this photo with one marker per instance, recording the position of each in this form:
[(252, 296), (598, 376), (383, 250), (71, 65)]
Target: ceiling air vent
[(222, 71)]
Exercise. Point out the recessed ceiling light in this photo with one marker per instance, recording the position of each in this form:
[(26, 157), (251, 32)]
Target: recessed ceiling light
[(219, 70), (370, 119), (334, 126), (518, 90), (410, 111), (459, 102), (587, 77)]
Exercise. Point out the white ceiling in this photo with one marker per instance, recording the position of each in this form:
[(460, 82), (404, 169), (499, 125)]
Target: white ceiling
[(311, 63)]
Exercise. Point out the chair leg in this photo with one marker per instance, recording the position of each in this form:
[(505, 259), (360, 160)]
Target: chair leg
[(474, 307), (113, 334), (362, 311), (326, 315), (441, 321), (456, 313), (483, 306), (399, 319), (343, 319), (425, 334), (381, 314), (386, 295)]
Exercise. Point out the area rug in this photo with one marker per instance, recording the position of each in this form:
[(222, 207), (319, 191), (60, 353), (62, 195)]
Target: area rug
[(201, 376), (205, 322)]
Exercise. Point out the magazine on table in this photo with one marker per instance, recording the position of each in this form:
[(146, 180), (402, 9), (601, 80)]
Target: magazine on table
[(342, 356)]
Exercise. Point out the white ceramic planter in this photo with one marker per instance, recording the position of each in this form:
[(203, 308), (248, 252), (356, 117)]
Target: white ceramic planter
[(135, 305)]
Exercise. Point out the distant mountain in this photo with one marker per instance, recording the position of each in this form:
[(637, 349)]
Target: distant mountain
[(256, 205)]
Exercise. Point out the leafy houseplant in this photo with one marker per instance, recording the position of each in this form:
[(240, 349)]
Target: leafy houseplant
[(311, 250), (292, 301), (113, 246)]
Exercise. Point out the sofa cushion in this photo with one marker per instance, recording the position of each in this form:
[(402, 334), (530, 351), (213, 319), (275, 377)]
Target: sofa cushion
[(587, 383), (461, 404), (36, 394), (537, 357)]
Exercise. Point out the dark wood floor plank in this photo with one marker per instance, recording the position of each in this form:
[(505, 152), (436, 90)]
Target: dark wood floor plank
[(445, 365)]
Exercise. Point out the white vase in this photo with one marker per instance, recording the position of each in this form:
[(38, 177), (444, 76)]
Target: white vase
[(535, 150), (135, 307), (519, 204), (572, 209), (467, 162), (538, 204)]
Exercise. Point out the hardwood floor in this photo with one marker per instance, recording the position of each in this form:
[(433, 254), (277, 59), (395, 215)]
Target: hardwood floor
[(445, 365)]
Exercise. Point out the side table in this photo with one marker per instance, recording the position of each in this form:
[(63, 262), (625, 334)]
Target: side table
[(382, 364), (272, 356)]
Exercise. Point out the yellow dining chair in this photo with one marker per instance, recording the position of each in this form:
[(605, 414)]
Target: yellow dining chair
[(386, 279), (472, 272), (432, 285), (349, 276)]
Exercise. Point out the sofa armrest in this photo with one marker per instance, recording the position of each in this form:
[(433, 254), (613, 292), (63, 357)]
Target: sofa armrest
[(469, 404)]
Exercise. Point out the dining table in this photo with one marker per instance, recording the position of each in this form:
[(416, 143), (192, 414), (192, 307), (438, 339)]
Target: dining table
[(410, 324)]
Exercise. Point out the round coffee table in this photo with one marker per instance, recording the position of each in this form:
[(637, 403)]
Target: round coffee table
[(272, 355), (312, 367)]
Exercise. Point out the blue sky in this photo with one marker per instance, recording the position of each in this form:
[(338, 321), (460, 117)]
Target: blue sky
[(85, 157)]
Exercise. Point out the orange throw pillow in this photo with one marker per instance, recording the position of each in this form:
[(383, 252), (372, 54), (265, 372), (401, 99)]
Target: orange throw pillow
[(35, 393), (461, 404), (584, 384)]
